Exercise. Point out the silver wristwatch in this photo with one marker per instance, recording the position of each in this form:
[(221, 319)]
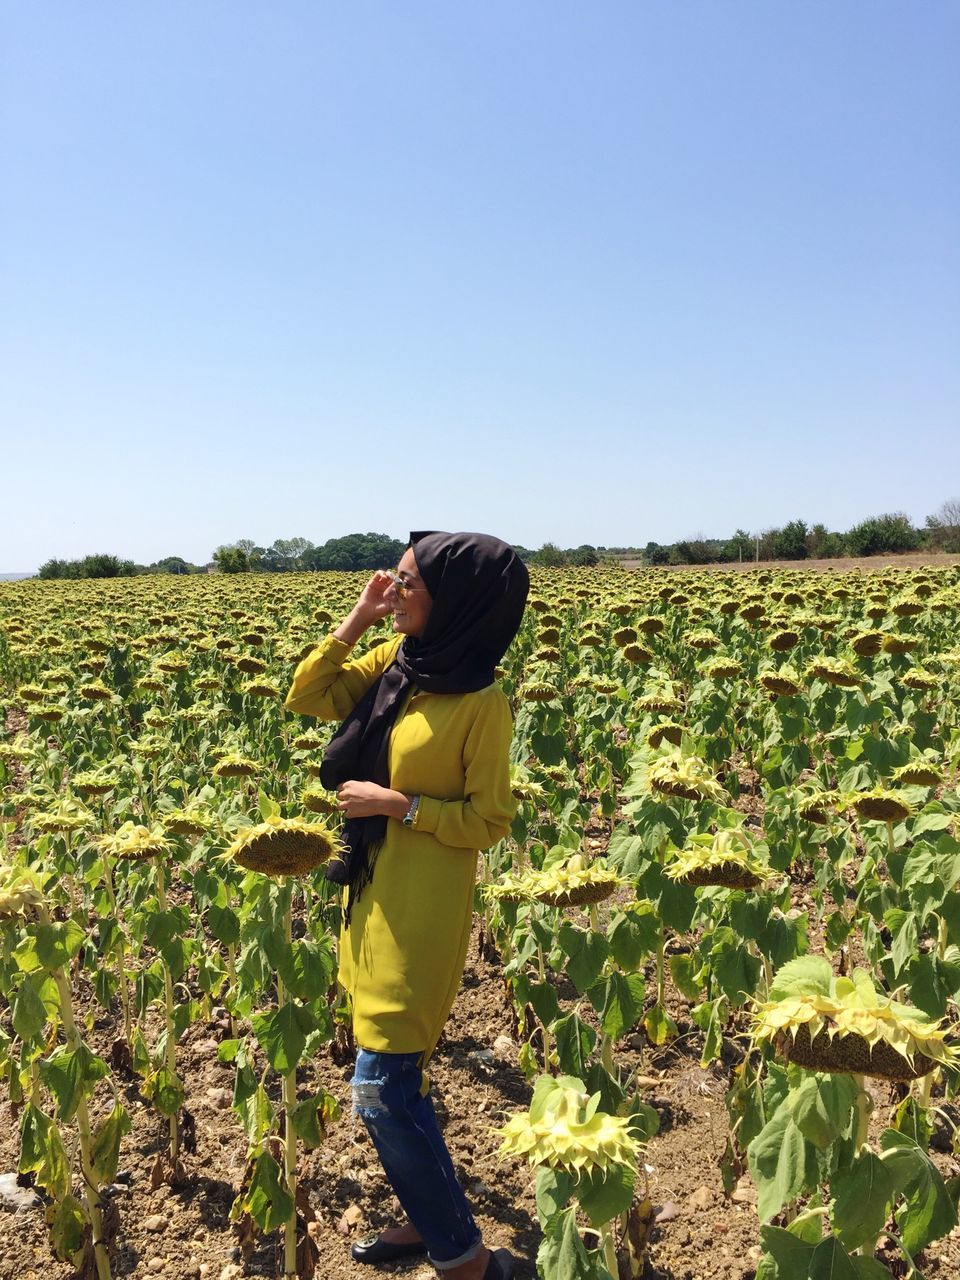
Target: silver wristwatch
[(411, 813)]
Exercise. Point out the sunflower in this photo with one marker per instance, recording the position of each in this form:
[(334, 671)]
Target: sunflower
[(665, 731), (538, 690), (565, 884), (685, 776), (283, 847), (132, 841), (835, 671), (637, 654), (826, 1023), (234, 765), (319, 800), (726, 859), (783, 681), (21, 893), (815, 805), (881, 805), (918, 774), (565, 1130)]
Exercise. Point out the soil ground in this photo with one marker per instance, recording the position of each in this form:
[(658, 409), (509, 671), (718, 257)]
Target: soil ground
[(185, 1233)]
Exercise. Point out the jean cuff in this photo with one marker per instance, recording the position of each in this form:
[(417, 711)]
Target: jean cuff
[(449, 1263)]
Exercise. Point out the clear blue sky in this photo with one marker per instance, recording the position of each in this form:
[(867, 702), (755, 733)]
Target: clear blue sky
[(582, 272)]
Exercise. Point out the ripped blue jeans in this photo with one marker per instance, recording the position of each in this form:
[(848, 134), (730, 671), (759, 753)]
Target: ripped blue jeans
[(403, 1127)]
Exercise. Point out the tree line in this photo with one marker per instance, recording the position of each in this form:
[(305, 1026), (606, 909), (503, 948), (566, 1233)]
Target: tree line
[(879, 535), (886, 534)]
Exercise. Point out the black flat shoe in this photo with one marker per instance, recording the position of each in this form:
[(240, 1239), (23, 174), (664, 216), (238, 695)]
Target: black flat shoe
[(373, 1250), (500, 1265)]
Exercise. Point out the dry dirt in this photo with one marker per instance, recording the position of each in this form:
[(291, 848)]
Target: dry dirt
[(185, 1233)]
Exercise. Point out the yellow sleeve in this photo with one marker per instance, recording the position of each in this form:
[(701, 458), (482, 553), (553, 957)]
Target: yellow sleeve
[(484, 816), (328, 683)]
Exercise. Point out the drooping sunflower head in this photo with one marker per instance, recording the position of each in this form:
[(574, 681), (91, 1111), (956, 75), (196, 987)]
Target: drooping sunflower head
[(919, 680), (564, 1129), (133, 841), (722, 669), (881, 805), (95, 691), (665, 731), (684, 776), (867, 644), (21, 893), (234, 765), (835, 671), (899, 644), (917, 774), (524, 787), (319, 800), (283, 847), (259, 688), (538, 690), (727, 859), (95, 782), (826, 1023), (815, 805), (783, 681), (571, 882), (636, 654), (702, 639), (193, 819)]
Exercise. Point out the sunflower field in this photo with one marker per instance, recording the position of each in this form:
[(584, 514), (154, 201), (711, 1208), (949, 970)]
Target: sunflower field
[(736, 845)]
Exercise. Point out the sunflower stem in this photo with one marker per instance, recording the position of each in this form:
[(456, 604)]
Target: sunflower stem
[(121, 951), (289, 1133), (170, 1045), (864, 1107), (232, 988), (91, 1189), (610, 1249), (547, 1039)]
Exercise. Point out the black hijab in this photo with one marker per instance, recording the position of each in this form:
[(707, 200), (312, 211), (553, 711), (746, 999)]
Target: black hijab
[(478, 586)]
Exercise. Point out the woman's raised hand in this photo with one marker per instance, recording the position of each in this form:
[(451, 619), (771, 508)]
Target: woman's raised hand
[(371, 606), (371, 601)]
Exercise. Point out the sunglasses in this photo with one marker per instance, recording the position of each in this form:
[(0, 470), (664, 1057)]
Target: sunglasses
[(399, 585)]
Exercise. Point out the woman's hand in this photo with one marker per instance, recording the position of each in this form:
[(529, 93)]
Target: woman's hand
[(357, 799), (371, 601), (371, 606)]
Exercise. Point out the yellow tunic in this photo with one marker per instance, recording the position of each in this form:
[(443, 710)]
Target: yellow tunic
[(402, 957)]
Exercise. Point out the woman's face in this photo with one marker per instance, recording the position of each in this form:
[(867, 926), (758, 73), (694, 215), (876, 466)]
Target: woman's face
[(412, 608)]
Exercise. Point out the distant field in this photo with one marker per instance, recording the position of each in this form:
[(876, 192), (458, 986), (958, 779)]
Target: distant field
[(845, 564)]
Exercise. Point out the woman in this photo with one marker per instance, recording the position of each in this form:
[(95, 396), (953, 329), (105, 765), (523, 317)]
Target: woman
[(421, 768)]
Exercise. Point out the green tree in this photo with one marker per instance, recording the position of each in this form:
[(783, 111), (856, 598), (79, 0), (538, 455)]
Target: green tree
[(355, 551), (172, 564), (740, 546), (232, 559), (57, 569), (549, 556), (880, 535), (583, 555), (822, 544), (790, 542)]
